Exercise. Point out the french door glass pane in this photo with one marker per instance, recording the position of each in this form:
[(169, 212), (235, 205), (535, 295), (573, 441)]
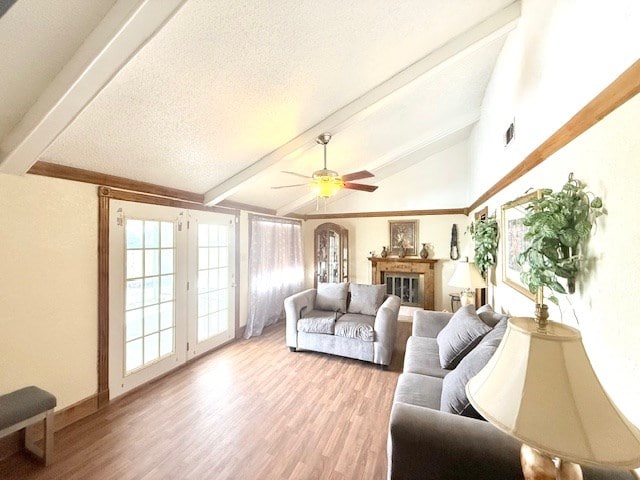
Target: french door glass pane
[(149, 293), (213, 282)]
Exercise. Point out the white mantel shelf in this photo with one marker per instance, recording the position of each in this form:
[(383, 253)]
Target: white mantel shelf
[(422, 266)]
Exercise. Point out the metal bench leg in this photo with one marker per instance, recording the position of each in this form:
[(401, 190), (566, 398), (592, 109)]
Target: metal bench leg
[(48, 437), (45, 453)]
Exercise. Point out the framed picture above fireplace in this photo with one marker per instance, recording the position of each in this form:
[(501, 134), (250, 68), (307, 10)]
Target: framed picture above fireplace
[(403, 237)]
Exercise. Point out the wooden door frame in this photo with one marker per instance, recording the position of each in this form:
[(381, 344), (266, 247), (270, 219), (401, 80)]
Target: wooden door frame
[(105, 195)]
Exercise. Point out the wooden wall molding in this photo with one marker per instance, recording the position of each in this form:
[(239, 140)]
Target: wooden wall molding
[(103, 299), (395, 213), (87, 176), (53, 170), (154, 200), (622, 89)]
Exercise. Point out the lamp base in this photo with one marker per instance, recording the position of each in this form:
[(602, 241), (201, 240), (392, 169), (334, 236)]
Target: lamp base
[(467, 297), (539, 466)]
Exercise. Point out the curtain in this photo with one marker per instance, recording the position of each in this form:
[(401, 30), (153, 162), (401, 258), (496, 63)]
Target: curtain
[(276, 269)]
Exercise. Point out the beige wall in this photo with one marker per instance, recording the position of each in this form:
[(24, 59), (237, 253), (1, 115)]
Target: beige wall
[(48, 286), (370, 234), (550, 67)]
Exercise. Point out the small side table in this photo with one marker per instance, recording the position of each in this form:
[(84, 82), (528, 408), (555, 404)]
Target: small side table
[(454, 298)]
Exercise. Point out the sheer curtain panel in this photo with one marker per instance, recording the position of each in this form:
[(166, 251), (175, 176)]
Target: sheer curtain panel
[(276, 269)]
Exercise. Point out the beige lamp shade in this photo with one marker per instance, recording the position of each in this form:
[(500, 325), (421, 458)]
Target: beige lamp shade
[(540, 388), (467, 275)]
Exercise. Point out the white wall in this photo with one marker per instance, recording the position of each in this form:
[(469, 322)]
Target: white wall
[(371, 234), (48, 286), (560, 57)]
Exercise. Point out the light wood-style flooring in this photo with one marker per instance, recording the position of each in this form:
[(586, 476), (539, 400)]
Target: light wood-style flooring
[(251, 410)]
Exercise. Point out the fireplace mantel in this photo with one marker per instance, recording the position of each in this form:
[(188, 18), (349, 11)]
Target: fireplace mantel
[(422, 266)]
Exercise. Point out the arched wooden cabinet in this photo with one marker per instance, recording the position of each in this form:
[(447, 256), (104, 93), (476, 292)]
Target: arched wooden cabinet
[(331, 249)]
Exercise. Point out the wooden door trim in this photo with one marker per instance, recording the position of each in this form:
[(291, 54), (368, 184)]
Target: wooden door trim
[(105, 194)]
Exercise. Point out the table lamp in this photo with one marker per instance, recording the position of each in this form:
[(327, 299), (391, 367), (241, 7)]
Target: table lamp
[(540, 388), (467, 276)]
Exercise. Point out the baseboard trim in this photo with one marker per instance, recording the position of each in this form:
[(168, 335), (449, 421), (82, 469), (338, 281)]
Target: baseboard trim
[(63, 418)]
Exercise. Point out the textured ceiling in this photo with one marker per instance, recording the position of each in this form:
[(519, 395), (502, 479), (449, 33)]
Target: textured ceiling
[(37, 38), (414, 117), (224, 83)]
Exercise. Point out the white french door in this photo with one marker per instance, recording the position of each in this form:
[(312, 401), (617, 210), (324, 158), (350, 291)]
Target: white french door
[(212, 295), (171, 289)]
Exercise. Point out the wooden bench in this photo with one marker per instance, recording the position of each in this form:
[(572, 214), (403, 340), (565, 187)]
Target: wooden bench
[(24, 408)]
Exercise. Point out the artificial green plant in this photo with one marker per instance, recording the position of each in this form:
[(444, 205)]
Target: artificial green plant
[(559, 225), (484, 233)]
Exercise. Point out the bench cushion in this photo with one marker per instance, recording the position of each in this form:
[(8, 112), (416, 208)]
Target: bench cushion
[(24, 403)]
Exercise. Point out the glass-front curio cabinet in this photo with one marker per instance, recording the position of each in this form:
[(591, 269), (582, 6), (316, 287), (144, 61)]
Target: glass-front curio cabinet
[(331, 253)]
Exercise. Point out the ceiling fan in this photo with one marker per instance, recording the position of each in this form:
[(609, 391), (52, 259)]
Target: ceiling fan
[(327, 182)]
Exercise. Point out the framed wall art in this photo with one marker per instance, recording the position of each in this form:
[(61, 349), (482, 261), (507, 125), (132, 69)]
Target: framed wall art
[(403, 238), (514, 243)]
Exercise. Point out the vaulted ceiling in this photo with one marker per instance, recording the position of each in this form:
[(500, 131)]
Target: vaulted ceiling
[(219, 97)]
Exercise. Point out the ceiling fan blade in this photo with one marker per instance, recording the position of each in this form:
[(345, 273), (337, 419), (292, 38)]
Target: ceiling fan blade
[(296, 174), (357, 175), (287, 186), (360, 186)]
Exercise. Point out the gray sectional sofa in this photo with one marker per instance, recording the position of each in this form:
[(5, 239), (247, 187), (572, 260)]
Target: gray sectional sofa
[(434, 433), (350, 320)]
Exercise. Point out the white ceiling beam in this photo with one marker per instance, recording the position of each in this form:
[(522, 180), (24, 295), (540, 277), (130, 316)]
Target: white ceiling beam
[(473, 39), (399, 159), (126, 28)]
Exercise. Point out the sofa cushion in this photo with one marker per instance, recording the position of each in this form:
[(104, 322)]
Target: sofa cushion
[(422, 357), (489, 316), (454, 397), (318, 321), (462, 333), (332, 297), (420, 390), (352, 325), (366, 299)]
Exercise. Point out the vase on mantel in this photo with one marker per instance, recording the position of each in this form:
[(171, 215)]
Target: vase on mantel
[(384, 252), (424, 253)]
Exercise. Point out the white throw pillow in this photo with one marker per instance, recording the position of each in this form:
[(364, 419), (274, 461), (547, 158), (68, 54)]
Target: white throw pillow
[(366, 299), (489, 316), (462, 333), (332, 297)]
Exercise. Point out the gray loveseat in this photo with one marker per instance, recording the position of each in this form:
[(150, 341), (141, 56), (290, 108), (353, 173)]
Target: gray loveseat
[(350, 320), (426, 441)]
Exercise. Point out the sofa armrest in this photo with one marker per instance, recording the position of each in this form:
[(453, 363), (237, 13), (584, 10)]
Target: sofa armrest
[(293, 308), (425, 443), (386, 326), (428, 323)]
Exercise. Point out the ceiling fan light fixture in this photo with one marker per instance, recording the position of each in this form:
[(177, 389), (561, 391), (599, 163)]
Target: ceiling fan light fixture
[(327, 186)]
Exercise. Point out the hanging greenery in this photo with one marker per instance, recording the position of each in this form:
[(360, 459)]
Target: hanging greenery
[(485, 237), (558, 225)]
